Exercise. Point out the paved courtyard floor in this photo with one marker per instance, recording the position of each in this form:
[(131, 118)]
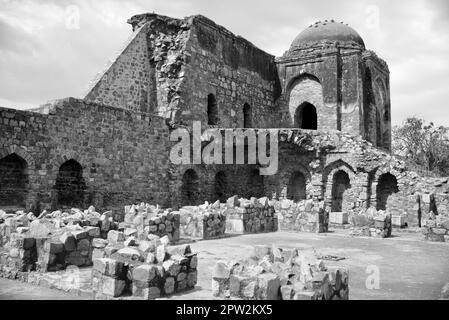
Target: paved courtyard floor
[(409, 268)]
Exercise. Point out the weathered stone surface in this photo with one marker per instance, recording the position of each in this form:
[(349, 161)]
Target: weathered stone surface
[(129, 253), (171, 267), (268, 286), (69, 241), (294, 275), (115, 236), (145, 273), (113, 287), (221, 270)]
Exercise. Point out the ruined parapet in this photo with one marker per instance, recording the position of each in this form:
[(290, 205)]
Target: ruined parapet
[(250, 216), (9, 224), (205, 221), (304, 216), (436, 228), (145, 275), (51, 242), (272, 273), (146, 220), (371, 223), (27, 251), (18, 256)]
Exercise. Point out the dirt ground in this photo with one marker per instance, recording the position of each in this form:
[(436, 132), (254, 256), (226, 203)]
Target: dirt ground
[(408, 267)]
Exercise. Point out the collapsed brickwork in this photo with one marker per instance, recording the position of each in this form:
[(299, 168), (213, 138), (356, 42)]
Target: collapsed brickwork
[(272, 273), (173, 271), (50, 242), (205, 221), (251, 215), (144, 220), (306, 215), (127, 261)]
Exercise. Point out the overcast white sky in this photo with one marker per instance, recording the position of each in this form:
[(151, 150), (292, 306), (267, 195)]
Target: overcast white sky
[(51, 49)]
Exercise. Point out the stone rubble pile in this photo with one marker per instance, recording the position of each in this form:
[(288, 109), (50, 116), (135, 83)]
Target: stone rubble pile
[(207, 221), (147, 271), (250, 216), (371, 223), (275, 274), (304, 216), (436, 228), (18, 256), (147, 219), (51, 241), (26, 251), (50, 222)]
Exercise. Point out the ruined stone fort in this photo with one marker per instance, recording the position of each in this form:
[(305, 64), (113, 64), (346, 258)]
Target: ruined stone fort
[(328, 96)]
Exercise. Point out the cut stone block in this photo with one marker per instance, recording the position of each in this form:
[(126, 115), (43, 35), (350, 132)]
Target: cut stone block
[(398, 221), (338, 218), (113, 287)]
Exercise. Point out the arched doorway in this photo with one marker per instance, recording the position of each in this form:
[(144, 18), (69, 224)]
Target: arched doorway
[(221, 186), (212, 110), (13, 181), (190, 188), (386, 186), (247, 116), (70, 185), (306, 117), (296, 189), (340, 184), (255, 184)]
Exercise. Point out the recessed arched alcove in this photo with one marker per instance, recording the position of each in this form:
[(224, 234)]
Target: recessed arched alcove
[(306, 117), (13, 181), (70, 185)]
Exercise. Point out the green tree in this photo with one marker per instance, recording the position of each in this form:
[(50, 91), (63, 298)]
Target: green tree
[(421, 144)]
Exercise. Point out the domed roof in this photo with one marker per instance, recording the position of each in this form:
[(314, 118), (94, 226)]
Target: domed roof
[(328, 30)]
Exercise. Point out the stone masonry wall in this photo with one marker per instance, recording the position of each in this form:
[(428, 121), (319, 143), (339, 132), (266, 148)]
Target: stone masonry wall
[(250, 216), (204, 221), (123, 155), (272, 273), (304, 216), (233, 70), (145, 219), (126, 80)]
